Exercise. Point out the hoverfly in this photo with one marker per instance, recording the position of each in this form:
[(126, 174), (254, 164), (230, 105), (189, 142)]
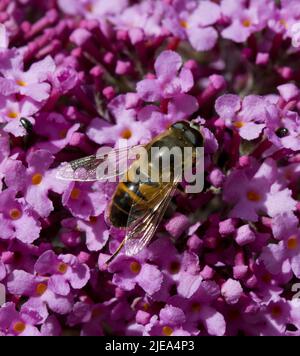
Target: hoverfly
[(138, 206)]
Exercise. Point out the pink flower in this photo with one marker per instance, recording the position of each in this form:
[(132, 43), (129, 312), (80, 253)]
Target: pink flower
[(168, 82), (18, 219), (13, 323), (127, 126), (131, 271), (64, 271), (31, 83), (259, 192), (249, 116), (245, 18)]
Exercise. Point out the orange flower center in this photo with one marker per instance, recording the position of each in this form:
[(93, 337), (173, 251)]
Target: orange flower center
[(238, 124), (246, 23), (41, 288), (21, 83), (75, 193), (292, 242), (184, 24), (253, 196), (15, 214), (13, 114), (62, 268), (126, 134), (135, 267), (36, 179), (167, 331), (283, 23), (19, 327)]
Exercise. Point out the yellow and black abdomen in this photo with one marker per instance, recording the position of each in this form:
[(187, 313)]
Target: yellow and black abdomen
[(127, 194)]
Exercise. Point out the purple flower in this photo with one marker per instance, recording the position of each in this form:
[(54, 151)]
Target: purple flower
[(126, 128), (200, 311), (57, 131), (92, 8), (259, 192), (41, 293), (11, 111), (183, 271), (192, 21), (290, 139), (145, 19), (171, 321), (199, 25), (178, 108), (268, 286), (249, 116), (95, 229), (13, 323), (90, 315), (64, 271), (277, 316), (169, 81), (39, 180), (64, 79), (18, 220), (51, 327), (131, 271), (285, 19), (245, 20), (285, 228), (83, 200), (93, 316), (31, 83)]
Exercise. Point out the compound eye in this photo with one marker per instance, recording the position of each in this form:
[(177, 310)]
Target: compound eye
[(179, 126)]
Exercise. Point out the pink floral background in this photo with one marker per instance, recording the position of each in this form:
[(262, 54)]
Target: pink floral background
[(78, 74)]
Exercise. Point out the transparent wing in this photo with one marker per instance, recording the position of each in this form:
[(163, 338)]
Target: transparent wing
[(117, 162), (141, 230)]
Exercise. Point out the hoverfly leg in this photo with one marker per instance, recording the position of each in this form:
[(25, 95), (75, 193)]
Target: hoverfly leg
[(115, 254)]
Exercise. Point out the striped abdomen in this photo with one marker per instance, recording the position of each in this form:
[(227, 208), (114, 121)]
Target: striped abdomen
[(126, 195)]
